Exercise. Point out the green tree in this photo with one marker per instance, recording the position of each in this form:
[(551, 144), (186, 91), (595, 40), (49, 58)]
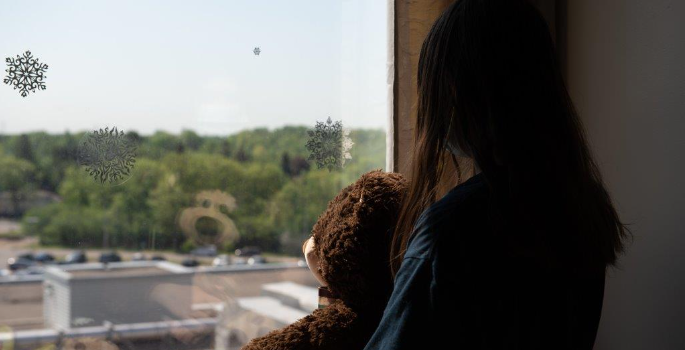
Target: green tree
[(166, 201), (16, 177), (158, 145), (226, 149), (297, 206), (130, 209), (23, 149), (298, 165), (285, 164), (277, 205), (191, 140), (67, 225), (62, 153), (241, 155)]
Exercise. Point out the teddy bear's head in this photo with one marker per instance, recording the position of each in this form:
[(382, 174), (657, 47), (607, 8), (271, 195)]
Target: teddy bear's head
[(350, 244)]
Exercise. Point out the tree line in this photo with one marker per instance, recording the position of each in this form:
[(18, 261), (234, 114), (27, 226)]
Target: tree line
[(278, 192)]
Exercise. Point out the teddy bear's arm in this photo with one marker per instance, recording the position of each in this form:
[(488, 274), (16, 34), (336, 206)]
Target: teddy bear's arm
[(293, 337), (335, 327)]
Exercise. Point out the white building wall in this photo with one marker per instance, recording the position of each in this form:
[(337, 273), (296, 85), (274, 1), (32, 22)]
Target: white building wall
[(132, 299), (77, 300), (56, 304)]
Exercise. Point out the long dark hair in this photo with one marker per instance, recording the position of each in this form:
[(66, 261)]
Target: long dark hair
[(489, 83)]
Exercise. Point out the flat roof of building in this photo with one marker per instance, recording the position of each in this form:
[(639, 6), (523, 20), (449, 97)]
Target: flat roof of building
[(120, 272), (307, 297), (271, 308), (125, 269)]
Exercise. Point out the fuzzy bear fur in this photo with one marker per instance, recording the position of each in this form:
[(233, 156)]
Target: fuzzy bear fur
[(352, 240)]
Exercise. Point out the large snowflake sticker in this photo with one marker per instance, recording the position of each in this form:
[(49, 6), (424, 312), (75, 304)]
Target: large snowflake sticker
[(329, 145), (107, 155), (25, 73)]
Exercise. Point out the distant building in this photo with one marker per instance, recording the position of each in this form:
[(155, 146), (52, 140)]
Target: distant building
[(131, 292), (280, 304)]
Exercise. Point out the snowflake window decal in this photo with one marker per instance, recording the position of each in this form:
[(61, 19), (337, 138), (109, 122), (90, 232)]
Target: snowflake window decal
[(107, 155), (257, 51), (25, 73), (329, 145)]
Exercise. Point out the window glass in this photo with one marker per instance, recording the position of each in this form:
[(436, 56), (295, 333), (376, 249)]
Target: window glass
[(162, 162)]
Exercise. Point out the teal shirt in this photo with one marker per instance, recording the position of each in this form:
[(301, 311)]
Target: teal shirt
[(460, 288)]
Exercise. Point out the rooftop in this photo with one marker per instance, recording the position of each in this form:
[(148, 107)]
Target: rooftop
[(119, 272), (126, 269)]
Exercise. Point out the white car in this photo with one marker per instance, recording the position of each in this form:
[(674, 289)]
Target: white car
[(256, 260), (222, 260), (238, 260), (208, 250), (139, 257)]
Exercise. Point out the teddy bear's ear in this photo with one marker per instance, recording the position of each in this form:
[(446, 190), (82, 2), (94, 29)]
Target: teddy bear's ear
[(353, 237)]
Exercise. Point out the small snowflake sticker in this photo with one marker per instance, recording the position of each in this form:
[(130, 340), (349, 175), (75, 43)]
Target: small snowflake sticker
[(257, 51), (329, 145), (25, 73), (107, 155)]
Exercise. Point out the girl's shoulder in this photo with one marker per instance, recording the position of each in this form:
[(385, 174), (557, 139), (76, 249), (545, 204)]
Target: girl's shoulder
[(460, 209)]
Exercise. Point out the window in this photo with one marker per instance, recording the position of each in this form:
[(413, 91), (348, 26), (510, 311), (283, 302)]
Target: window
[(163, 165)]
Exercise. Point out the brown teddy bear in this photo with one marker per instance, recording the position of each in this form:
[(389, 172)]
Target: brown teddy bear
[(348, 253)]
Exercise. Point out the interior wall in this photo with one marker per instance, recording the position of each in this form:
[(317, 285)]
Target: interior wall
[(625, 66), (626, 73)]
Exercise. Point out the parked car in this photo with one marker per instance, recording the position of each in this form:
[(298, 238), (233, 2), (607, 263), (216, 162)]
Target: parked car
[(239, 260), (138, 257), (31, 270), (76, 257), (109, 257), (19, 263), (221, 260), (208, 250), (248, 251), (256, 260), (158, 258), (27, 256), (44, 258), (190, 263)]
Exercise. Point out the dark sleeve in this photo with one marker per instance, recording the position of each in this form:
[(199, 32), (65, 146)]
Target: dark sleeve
[(408, 317)]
